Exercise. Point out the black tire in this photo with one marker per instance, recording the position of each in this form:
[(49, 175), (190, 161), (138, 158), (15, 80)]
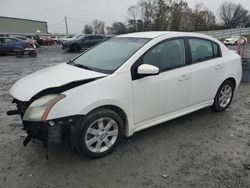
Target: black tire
[(75, 48), (19, 54), (89, 121), (32, 54), (217, 106)]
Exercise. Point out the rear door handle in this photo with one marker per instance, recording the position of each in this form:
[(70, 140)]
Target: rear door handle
[(184, 77), (218, 67)]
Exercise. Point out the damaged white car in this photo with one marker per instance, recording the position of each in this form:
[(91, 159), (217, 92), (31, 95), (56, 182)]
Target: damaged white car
[(123, 85)]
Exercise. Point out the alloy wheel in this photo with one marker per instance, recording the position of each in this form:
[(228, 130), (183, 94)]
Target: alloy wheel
[(225, 95), (101, 135)]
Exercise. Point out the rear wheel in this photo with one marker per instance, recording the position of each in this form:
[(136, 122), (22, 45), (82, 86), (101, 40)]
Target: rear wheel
[(224, 96), (99, 133), (32, 54)]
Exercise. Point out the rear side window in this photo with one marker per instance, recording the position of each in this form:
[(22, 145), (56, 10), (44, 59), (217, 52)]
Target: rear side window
[(202, 50)]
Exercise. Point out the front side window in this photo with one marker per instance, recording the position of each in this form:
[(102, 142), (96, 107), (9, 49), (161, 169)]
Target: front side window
[(110, 55), (202, 50), (167, 55)]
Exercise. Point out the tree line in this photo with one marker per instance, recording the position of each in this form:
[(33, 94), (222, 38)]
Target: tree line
[(174, 15)]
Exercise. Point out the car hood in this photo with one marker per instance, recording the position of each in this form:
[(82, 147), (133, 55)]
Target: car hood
[(51, 77)]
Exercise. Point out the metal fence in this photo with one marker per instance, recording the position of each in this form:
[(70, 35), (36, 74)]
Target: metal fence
[(226, 33), (219, 34)]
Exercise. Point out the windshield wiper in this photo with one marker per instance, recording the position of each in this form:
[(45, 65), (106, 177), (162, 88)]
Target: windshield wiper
[(82, 66), (70, 62)]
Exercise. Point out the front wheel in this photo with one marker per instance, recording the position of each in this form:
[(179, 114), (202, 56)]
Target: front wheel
[(75, 48), (19, 54), (224, 96), (99, 133)]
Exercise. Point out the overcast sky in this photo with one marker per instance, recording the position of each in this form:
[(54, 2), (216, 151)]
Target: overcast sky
[(80, 12)]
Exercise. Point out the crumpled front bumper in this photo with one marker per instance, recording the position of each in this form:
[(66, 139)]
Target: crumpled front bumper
[(52, 131), (49, 132)]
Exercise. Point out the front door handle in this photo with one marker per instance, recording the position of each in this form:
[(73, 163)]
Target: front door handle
[(184, 77)]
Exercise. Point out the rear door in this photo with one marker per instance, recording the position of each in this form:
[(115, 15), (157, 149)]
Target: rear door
[(207, 70)]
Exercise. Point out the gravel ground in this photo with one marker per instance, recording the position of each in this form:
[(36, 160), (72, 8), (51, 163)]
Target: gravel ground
[(202, 149)]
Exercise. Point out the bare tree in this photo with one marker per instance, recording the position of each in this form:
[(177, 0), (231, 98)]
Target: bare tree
[(178, 13), (98, 27), (88, 29), (147, 13), (233, 15), (119, 28), (133, 16), (109, 30), (161, 16), (202, 18)]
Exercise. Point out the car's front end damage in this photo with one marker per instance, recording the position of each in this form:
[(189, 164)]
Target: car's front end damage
[(35, 123), (37, 94)]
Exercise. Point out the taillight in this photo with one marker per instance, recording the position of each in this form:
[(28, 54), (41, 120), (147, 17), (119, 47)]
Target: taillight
[(29, 45)]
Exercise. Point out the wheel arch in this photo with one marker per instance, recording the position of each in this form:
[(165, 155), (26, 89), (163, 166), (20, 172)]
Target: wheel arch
[(233, 80), (119, 111)]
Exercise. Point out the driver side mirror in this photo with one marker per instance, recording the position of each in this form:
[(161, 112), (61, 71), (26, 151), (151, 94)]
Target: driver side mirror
[(147, 70)]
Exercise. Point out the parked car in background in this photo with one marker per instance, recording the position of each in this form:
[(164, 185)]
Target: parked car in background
[(10, 45), (82, 42), (126, 84), (67, 37), (29, 40), (234, 40), (47, 40), (56, 39)]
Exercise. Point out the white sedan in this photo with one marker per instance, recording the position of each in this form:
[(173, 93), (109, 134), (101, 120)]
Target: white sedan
[(124, 85), (234, 40)]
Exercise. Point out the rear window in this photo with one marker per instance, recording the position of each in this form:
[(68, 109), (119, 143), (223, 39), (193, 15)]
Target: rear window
[(202, 50)]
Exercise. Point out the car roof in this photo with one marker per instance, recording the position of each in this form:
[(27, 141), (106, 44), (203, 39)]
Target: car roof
[(155, 34)]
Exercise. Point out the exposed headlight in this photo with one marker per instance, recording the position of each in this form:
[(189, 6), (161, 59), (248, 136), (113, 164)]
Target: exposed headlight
[(40, 108)]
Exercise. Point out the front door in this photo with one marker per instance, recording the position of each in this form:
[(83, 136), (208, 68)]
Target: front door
[(168, 92)]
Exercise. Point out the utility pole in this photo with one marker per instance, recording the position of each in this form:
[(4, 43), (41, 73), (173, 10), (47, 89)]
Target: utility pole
[(66, 24)]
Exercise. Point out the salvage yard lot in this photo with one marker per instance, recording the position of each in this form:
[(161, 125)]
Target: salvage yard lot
[(203, 149)]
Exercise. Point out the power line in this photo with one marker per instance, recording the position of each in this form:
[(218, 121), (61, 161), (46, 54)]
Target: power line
[(56, 23), (76, 20)]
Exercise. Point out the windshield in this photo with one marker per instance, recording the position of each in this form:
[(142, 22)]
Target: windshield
[(77, 36), (110, 55)]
